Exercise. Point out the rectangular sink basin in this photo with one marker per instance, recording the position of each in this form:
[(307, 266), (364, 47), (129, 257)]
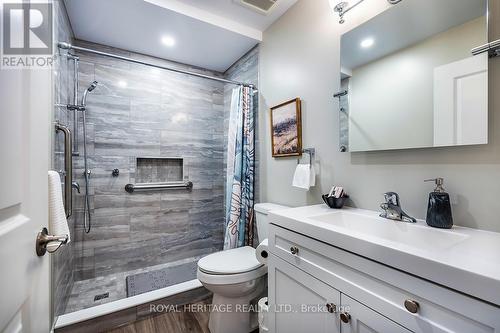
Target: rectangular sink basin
[(449, 257), (417, 235)]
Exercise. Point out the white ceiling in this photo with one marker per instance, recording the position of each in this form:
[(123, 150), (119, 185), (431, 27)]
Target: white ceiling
[(403, 25), (230, 10), (212, 34)]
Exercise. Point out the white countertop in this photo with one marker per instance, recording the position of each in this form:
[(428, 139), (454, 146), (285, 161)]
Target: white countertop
[(463, 259)]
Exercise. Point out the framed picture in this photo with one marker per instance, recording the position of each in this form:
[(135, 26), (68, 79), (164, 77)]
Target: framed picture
[(286, 129)]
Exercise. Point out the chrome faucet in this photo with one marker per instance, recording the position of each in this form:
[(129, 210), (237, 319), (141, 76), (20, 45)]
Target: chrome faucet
[(392, 209)]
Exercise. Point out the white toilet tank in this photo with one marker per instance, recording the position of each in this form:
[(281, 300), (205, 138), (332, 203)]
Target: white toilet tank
[(261, 211)]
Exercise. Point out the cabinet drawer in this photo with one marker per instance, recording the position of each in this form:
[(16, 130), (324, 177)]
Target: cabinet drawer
[(385, 289), (362, 319)]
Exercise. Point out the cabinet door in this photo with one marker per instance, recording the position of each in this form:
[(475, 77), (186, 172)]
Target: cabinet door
[(357, 318), (299, 302)]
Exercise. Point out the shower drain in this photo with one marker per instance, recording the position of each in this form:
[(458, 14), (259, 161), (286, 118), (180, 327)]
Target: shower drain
[(101, 296)]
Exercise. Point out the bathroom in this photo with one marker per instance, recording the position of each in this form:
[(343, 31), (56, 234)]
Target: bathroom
[(176, 202)]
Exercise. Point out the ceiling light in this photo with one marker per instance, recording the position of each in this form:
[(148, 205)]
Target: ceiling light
[(168, 41), (122, 84), (366, 43)]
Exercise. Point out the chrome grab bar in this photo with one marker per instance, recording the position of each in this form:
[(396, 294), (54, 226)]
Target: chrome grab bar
[(130, 188), (68, 166)]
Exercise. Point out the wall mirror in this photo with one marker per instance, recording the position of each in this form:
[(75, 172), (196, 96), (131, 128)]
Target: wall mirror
[(409, 79)]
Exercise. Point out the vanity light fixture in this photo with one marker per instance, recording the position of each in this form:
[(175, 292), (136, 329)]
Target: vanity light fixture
[(343, 7), (168, 41)]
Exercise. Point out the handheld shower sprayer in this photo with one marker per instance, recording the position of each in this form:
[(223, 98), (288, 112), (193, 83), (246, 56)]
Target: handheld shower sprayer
[(87, 172), (92, 86)]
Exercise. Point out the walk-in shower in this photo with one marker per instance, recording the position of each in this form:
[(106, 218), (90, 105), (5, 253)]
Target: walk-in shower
[(152, 143)]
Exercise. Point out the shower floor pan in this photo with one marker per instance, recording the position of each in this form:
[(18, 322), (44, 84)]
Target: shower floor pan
[(107, 294), (141, 283)]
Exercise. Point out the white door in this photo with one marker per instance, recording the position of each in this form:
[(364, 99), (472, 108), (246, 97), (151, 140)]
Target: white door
[(301, 302), (461, 102), (25, 113), (357, 318)]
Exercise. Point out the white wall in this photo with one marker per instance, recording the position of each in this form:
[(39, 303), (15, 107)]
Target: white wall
[(300, 57), (392, 104)]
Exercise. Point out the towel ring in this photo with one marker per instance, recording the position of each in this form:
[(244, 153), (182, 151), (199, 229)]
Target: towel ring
[(311, 152)]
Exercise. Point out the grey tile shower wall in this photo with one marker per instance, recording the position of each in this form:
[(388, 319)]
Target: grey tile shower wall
[(246, 69), (137, 111), (62, 260)]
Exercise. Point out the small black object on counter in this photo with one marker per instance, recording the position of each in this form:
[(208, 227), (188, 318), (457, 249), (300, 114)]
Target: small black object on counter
[(439, 207), (333, 202)]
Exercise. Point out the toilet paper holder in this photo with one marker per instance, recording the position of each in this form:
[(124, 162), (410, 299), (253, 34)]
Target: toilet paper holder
[(311, 152), (43, 239)]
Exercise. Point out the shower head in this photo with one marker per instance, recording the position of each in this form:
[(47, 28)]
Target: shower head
[(92, 86)]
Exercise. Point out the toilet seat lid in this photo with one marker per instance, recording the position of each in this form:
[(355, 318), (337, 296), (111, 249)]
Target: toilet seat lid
[(232, 261)]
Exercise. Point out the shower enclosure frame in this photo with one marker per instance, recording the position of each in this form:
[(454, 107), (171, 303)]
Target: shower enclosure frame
[(68, 46), (79, 316)]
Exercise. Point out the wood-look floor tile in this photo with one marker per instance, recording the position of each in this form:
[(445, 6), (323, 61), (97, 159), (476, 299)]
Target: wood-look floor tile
[(167, 323), (146, 325), (124, 329), (202, 319)]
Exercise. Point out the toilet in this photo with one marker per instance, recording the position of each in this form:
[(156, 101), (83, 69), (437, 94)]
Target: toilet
[(237, 280)]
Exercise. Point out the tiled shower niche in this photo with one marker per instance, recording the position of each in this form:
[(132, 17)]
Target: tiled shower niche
[(159, 170)]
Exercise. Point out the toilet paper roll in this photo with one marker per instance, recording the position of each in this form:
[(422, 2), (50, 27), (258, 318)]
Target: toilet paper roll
[(262, 252), (263, 315)]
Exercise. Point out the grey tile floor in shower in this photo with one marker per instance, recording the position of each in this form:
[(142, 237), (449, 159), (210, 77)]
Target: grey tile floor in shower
[(84, 291)]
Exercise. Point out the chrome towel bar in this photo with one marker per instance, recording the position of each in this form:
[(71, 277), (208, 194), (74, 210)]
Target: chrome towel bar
[(131, 188), (493, 48)]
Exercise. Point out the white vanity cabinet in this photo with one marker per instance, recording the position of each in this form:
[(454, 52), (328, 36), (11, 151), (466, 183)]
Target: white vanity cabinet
[(301, 302), (368, 296), (362, 319), (305, 304)]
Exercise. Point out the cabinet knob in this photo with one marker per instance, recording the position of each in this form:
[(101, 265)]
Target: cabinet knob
[(294, 250), (345, 317), (332, 308), (411, 305)]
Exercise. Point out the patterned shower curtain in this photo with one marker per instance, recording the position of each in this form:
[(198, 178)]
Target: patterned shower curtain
[(240, 170)]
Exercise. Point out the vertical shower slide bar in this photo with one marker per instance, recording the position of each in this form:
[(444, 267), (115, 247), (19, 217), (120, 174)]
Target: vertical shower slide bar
[(75, 102)]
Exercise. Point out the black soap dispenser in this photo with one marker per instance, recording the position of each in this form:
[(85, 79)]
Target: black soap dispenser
[(439, 207)]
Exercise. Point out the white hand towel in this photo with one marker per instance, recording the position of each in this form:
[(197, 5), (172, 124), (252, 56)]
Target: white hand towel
[(58, 225), (302, 176)]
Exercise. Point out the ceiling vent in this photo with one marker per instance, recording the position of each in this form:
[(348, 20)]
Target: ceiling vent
[(260, 6)]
